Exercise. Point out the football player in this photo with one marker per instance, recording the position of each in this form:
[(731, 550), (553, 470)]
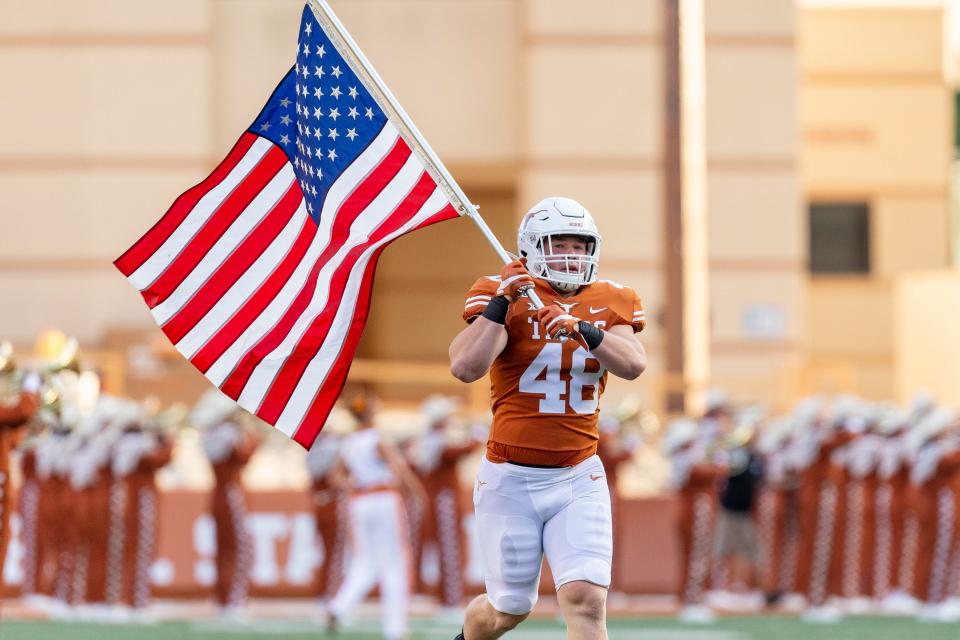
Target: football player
[(541, 489)]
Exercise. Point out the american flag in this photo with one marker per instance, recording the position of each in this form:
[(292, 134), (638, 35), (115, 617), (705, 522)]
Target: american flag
[(261, 274)]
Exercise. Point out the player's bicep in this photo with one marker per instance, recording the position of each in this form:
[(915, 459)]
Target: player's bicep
[(627, 332)]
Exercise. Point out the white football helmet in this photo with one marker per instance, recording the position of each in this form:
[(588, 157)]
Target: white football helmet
[(559, 217)]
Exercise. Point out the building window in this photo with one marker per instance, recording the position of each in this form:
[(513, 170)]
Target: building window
[(839, 237)]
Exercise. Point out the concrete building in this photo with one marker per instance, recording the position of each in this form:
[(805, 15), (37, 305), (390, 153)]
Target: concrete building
[(116, 107)]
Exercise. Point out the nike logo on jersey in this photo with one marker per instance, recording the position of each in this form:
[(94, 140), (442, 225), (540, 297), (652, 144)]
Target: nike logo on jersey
[(595, 478), (592, 310), (480, 483)]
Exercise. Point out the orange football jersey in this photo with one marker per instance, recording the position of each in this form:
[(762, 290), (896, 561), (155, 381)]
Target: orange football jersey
[(545, 393)]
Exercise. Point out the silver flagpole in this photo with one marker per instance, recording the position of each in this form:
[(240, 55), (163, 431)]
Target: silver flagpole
[(348, 48)]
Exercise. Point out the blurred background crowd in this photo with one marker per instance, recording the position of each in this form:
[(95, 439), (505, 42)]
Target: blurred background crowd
[(838, 507)]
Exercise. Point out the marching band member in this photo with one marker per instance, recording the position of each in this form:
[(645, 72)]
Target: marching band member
[(373, 470), (18, 403), (893, 481), (229, 447), (695, 480), (933, 479), (329, 502), (140, 451), (435, 459)]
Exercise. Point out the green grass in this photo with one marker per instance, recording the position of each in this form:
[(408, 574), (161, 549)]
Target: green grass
[(769, 628)]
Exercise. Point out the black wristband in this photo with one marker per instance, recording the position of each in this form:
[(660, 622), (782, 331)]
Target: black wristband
[(591, 335), (496, 310)]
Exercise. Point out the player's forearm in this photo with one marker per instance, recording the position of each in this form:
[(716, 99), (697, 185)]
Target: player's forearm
[(475, 348), (622, 356)]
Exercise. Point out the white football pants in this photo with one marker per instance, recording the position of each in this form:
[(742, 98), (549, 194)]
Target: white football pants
[(379, 555), (524, 513)]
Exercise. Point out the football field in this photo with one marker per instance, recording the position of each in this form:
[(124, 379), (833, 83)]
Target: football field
[(753, 628)]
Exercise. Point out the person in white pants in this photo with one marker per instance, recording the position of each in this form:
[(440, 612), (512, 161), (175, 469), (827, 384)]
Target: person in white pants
[(374, 470)]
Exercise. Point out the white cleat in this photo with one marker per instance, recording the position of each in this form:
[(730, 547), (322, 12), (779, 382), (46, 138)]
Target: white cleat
[(900, 603), (794, 603), (826, 614), (696, 614)]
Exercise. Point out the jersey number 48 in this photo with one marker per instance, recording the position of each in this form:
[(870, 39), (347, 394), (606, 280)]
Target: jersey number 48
[(543, 378)]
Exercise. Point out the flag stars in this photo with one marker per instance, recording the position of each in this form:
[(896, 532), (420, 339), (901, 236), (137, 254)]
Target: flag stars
[(334, 113), (318, 112), (369, 114), (318, 152), (333, 134), (285, 103), (308, 28), (286, 120), (317, 133), (351, 133), (284, 139), (265, 126), (318, 71), (318, 93), (332, 155), (353, 113), (320, 50), (336, 72), (336, 93), (306, 49), (353, 92)]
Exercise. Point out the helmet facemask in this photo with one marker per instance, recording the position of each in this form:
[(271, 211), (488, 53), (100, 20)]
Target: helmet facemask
[(564, 271)]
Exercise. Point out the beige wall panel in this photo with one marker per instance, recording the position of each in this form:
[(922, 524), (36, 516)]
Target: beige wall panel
[(750, 17), (83, 214), (927, 341), (97, 101), (909, 233), (850, 316), (254, 46), (420, 325), (756, 216), (876, 381), (626, 206), (599, 16), (81, 302), (585, 102), (751, 103), (44, 17), (866, 138), (453, 67), (645, 387), (459, 85), (757, 306), (865, 41), (756, 376)]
